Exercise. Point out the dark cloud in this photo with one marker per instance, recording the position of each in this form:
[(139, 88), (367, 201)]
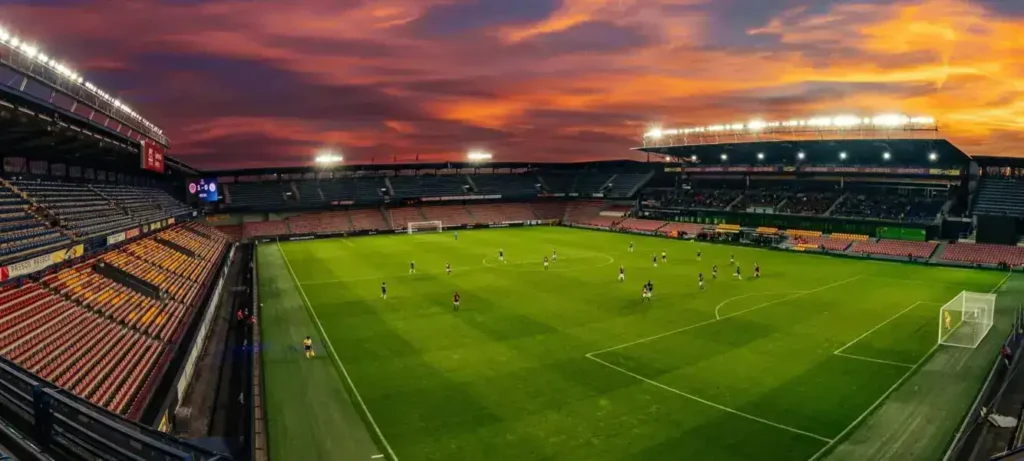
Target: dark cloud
[(468, 15)]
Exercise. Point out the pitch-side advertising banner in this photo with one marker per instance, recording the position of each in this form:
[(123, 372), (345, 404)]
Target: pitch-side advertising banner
[(40, 262), (116, 238)]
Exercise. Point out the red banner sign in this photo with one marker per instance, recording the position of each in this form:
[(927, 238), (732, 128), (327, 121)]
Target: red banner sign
[(152, 156)]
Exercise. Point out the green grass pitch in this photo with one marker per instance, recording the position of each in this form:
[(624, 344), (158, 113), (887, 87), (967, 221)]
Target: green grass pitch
[(568, 363)]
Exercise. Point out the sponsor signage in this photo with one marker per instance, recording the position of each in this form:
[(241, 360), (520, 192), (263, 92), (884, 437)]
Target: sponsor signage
[(116, 238), (460, 197), (41, 262), (131, 233), (152, 155)]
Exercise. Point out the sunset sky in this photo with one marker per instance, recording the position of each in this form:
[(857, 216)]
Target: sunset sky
[(263, 82)]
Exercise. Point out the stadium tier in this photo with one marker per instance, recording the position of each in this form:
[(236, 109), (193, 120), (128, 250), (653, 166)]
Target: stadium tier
[(897, 248), (104, 328), (982, 253), (915, 205), (1000, 197), (428, 186)]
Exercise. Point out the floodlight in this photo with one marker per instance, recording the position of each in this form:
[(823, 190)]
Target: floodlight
[(933, 156), (725, 157), (478, 156), (327, 158), (693, 158), (755, 125), (800, 155), (760, 155), (886, 155), (655, 134), (842, 156), (846, 120)]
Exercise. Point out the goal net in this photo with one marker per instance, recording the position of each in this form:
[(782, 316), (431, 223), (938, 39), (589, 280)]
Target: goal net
[(965, 320), (421, 226)]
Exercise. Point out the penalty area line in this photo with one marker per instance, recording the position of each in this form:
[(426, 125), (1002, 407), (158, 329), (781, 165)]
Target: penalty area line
[(330, 350), (710, 403)]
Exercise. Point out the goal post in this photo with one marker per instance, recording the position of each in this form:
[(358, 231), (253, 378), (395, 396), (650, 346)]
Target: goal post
[(966, 319), (421, 226)]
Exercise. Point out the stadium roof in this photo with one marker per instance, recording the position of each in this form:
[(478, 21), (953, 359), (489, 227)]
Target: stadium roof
[(910, 152), (38, 130), (609, 164)]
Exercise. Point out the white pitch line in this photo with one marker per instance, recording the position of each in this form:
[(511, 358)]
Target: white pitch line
[(880, 325), (377, 456), (869, 359), (709, 403), (678, 330), (330, 349), (727, 301), (894, 387)]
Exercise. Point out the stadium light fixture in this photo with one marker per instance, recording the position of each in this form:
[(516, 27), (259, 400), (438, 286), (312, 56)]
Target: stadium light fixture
[(33, 52), (760, 155), (842, 155), (933, 156), (882, 121), (479, 156), (886, 155), (328, 158), (693, 158), (800, 155), (725, 157)]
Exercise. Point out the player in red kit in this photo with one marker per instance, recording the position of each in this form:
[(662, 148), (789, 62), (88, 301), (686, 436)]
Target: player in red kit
[(455, 302)]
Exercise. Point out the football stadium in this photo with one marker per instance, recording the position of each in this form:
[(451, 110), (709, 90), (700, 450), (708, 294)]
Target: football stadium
[(829, 288)]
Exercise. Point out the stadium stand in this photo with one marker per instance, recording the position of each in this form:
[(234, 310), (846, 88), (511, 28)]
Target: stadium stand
[(264, 229), (264, 194), (363, 190), (429, 186), (983, 253), (882, 203), (79, 208), (715, 199), (549, 210), (682, 228), (642, 225), (761, 198), (896, 248), (809, 202), (401, 217), (367, 220), (501, 212), (586, 212), (623, 184), (591, 183), (821, 242), (1000, 196), (89, 329), (20, 231), (448, 214), (510, 185)]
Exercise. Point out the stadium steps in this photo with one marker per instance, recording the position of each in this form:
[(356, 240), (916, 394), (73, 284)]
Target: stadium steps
[(471, 183), (938, 252), (113, 203), (839, 200), (321, 192), (175, 247), (387, 217), (734, 202), (639, 185), (542, 182), (391, 189), (295, 190), (472, 217), (227, 193), (608, 184)]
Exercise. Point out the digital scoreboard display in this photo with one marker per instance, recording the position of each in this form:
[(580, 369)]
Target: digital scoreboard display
[(204, 190)]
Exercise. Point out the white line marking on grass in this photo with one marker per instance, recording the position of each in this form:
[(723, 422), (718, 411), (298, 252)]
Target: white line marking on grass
[(866, 333), (330, 349), (346, 240), (897, 385), (727, 301), (377, 456), (678, 330), (869, 359), (709, 403)]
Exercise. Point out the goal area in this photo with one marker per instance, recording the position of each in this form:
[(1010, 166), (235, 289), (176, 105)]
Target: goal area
[(421, 226), (966, 319)]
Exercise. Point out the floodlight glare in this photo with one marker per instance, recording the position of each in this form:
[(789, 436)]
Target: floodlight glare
[(479, 156), (654, 134), (886, 156), (693, 158), (933, 156), (842, 156), (800, 155), (328, 158), (725, 157), (760, 155)]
